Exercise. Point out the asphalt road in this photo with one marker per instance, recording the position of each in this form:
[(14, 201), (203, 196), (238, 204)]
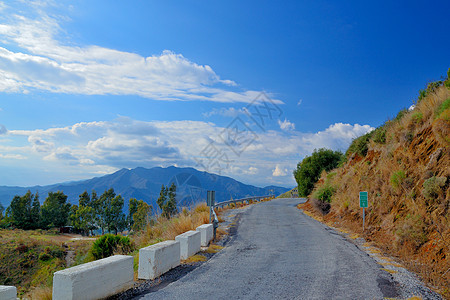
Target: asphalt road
[(279, 253)]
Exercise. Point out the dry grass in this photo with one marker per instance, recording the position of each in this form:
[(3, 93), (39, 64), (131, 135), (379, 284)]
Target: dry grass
[(389, 270), (391, 264), (213, 248), (402, 219), (40, 293), (194, 258), (168, 229)]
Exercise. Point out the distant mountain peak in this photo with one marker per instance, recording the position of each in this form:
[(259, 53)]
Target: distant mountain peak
[(145, 184)]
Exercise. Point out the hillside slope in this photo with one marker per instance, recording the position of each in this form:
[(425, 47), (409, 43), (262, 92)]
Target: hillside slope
[(405, 167)]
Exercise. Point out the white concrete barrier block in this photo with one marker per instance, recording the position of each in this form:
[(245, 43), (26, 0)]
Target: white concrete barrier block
[(157, 259), (206, 233), (189, 243), (95, 280), (8, 292)]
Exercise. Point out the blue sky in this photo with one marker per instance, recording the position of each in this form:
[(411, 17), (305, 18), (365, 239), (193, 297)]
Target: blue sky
[(89, 87)]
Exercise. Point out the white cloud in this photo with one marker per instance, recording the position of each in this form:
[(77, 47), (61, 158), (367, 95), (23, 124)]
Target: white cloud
[(251, 171), (299, 102), (286, 125), (12, 156), (278, 171), (226, 112), (337, 136), (48, 64), (91, 148)]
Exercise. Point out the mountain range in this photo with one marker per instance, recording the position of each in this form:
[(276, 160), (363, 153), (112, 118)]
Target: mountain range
[(145, 184)]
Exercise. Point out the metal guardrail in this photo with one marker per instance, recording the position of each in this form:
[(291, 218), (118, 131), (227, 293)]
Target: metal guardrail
[(242, 200)]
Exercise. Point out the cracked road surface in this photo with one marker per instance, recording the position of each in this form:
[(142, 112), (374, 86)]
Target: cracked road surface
[(279, 253)]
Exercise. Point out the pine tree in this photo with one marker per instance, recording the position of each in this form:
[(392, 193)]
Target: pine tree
[(162, 197), (132, 209), (171, 206), (167, 201), (36, 211)]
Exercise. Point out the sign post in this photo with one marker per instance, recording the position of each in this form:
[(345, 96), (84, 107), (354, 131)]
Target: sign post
[(364, 203), (210, 201)]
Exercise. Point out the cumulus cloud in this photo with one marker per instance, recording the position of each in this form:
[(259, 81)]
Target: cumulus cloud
[(105, 146), (46, 63), (226, 112), (286, 125), (336, 136), (278, 171)]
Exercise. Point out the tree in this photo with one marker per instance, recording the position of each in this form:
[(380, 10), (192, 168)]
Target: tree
[(141, 216), (85, 199), (109, 212), (82, 218), (167, 201), (21, 213), (162, 197), (309, 169), (36, 211), (132, 209), (171, 206), (116, 220), (2, 209), (101, 206), (55, 210)]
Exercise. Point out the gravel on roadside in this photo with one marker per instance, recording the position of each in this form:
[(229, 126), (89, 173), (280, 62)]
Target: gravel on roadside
[(408, 284)]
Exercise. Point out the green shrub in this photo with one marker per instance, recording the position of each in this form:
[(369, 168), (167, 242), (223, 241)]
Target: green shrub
[(309, 169), (447, 82), (432, 187), (108, 244), (324, 193), (431, 88), (444, 105), (417, 116), (379, 135), (400, 115), (44, 256), (397, 178), (359, 145)]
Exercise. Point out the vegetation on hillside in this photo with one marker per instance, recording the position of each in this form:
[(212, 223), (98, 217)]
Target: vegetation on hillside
[(28, 258), (405, 167), (92, 213), (309, 169), (166, 201)]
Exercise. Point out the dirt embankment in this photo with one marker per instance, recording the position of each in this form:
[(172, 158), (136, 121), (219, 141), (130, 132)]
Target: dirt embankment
[(406, 171)]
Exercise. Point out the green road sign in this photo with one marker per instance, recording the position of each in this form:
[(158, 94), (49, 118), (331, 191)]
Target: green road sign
[(363, 199)]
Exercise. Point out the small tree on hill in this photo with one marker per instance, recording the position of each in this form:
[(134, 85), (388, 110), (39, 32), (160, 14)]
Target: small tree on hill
[(141, 216), (167, 201), (309, 169), (109, 212), (22, 210), (36, 211), (55, 210)]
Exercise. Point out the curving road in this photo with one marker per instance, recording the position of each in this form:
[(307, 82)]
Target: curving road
[(279, 253)]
